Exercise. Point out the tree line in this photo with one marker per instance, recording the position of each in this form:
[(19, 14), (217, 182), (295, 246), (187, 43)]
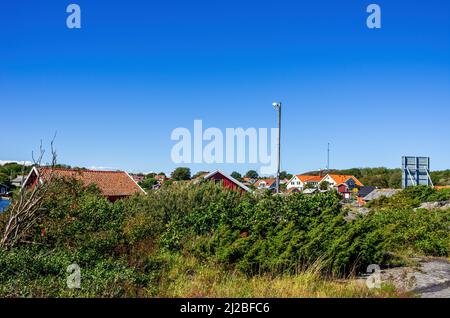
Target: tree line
[(377, 177)]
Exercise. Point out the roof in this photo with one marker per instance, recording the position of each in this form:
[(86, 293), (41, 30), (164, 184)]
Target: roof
[(442, 187), (238, 183), (137, 178), (341, 178), (378, 193), (365, 191), (19, 179), (202, 175), (269, 182), (249, 180), (310, 191), (307, 178), (110, 183), (199, 178)]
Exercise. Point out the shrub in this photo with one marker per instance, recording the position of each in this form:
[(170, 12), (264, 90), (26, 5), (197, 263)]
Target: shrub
[(127, 248)]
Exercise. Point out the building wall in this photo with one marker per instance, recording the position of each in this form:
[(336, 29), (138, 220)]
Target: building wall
[(298, 184), (226, 182), (3, 189), (329, 180), (342, 188), (313, 183), (32, 180), (351, 183)]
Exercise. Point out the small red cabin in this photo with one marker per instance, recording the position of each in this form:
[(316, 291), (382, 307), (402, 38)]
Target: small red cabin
[(228, 181)]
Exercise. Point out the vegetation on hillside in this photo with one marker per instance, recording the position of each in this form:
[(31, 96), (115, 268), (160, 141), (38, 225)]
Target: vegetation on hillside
[(410, 198), (387, 178), (206, 240), (10, 171)]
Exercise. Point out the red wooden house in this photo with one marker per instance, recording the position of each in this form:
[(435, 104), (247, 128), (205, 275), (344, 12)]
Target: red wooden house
[(228, 181), (344, 190)]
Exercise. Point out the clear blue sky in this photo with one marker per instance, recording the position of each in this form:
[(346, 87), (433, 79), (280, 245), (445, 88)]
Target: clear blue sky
[(115, 89)]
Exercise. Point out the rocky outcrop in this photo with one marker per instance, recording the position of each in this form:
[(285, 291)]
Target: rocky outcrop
[(443, 205), (430, 279)]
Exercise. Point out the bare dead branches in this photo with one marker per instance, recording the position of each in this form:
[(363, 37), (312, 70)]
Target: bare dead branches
[(27, 208)]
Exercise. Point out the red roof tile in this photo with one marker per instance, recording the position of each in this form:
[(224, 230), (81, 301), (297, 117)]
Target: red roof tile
[(269, 182), (110, 183), (341, 178), (306, 178)]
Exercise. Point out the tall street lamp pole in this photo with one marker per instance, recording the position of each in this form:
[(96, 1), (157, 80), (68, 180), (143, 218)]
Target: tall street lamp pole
[(277, 107)]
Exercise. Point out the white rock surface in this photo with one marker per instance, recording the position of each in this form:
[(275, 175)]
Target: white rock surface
[(443, 205), (430, 280)]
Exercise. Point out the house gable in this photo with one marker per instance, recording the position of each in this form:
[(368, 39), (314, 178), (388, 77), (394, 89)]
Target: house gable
[(228, 181), (295, 182), (336, 179), (265, 184), (300, 181)]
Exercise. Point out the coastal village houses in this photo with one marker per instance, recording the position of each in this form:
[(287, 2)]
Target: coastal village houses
[(269, 184), (115, 185), (335, 180), (344, 184), (300, 182)]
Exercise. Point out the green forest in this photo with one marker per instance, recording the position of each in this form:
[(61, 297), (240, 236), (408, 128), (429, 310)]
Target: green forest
[(10, 171)]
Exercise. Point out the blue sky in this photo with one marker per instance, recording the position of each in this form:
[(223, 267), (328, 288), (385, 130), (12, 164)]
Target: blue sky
[(116, 89)]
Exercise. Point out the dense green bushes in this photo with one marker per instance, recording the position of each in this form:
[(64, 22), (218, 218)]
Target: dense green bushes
[(126, 248), (411, 197)]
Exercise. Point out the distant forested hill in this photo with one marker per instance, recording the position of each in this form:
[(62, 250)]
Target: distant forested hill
[(441, 178), (387, 178), (11, 170)]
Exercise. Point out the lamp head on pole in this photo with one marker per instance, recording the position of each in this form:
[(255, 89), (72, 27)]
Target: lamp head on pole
[(276, 105)]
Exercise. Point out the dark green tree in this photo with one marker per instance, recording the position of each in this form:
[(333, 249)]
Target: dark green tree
[(150, 175), (198, 174), (4, 178), (324, 185), (285, 175), (252, 174), (309, 186), (148, 183), (181, 173), (236, 175)]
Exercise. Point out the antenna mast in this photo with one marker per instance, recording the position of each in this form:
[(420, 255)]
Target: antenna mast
[(328, 158)]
